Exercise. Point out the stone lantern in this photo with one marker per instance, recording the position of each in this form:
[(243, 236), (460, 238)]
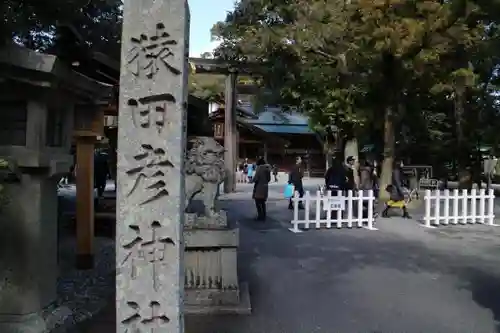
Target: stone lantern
[(38, 95)]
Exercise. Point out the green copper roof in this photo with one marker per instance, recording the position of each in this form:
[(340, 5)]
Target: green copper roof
[(276, 121), (286, 129)]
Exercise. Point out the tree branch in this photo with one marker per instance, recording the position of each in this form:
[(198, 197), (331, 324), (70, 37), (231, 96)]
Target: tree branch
[(426, 38)]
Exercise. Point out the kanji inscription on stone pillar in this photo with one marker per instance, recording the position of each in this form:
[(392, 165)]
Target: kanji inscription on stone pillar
[(150, 186)]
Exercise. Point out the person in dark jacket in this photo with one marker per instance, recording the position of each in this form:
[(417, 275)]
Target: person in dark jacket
[(376, 172), (275, 173), (261, 180), (335, 177), (101, 171), (397, 193), (366, 179), (349, 172), (295, 178)]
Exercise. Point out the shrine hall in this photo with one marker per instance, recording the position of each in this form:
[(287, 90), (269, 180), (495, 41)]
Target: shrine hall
[(276, 135)]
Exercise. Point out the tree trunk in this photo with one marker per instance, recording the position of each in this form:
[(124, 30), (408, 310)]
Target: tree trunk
[(389, 152), (390, 78), (329, 150), (465, 179)]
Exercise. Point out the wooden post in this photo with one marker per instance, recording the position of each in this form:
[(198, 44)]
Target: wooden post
[(230, 132), (90, 126), (85, 201)]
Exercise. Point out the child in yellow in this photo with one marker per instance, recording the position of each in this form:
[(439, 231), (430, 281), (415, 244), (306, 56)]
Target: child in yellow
[(397, 198)]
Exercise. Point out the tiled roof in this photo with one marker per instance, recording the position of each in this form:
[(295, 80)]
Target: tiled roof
[(286, 129), (275, 116), (274, 120)]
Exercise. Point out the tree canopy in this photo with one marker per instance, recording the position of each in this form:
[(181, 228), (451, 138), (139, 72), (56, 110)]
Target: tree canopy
[(207, 86), (403, 71), (38, 24)]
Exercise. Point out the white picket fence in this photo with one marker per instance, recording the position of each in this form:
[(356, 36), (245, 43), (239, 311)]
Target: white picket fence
[(459, 207), (355, 209)]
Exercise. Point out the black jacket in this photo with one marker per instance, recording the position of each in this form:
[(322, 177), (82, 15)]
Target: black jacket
[(349, 173), (295, 176), (397, 192), (101, 169), (335, 176)]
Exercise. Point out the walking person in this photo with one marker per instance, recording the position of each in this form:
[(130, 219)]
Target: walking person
[(335, 177), (261, 181), (349, 172), (375, 175), (275, 173), (295, 178), (101, 171), (250, 171), (245, 170), (397, 198), (366, 176), (367, 180), (241, 172)]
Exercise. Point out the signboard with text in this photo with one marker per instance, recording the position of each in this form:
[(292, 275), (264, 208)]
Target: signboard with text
[(334, 203)]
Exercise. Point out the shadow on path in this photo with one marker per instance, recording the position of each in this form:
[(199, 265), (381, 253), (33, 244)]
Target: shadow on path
[(353, 280)]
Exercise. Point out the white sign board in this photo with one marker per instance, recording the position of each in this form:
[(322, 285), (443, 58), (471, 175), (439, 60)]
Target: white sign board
[(334, 203), (489, 165), (428, 183)]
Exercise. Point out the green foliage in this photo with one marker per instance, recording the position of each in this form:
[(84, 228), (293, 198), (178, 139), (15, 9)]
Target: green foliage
[(349, 63), (207, 86), (35, 23)]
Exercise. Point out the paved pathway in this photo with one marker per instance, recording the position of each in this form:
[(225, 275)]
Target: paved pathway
[(402, 278)]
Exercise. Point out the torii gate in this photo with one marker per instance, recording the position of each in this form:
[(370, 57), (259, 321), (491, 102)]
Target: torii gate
[(85, 209), (231, 71)]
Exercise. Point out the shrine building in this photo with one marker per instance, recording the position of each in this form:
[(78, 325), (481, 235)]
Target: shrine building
[(276, 135)]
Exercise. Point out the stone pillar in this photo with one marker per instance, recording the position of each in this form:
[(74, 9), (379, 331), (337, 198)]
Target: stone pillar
[(30, 165), (230, 133), (151, 145), (28, 252), (265, 152)]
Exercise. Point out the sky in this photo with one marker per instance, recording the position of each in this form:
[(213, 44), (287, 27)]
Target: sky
[(204, 14)]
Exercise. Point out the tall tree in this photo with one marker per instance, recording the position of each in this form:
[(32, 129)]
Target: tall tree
[(207, 86), (35, 23), (359, 64)]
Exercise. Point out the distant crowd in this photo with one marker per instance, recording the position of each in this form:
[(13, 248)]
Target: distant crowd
[(246, 171), (104, 169), (339, 178)]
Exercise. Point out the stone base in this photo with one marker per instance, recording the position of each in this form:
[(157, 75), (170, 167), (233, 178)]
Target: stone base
[(215, 238), (29, 323), (44, 321), (243, 308), (217, 221), (211, 297), (210, 263)]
